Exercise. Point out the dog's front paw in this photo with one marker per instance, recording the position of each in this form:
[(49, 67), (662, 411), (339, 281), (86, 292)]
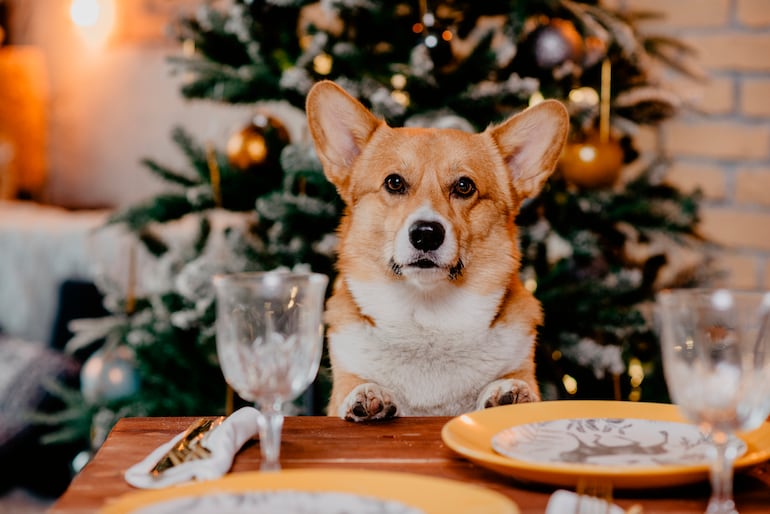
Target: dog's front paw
[(505, 392), (368, 402)]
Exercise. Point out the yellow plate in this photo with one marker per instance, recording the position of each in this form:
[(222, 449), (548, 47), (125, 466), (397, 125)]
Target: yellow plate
[(471, 435), (320, 486)]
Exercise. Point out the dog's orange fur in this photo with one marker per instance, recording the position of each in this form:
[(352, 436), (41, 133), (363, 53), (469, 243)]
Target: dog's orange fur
[(507, 163)]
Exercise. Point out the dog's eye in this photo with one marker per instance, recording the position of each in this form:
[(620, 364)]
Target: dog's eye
[(395, 184), (464, 187)]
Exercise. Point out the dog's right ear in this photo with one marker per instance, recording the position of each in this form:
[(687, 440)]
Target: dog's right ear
[(340, 126)]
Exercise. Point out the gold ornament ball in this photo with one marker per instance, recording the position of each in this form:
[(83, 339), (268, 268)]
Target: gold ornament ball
[(592, 163), (258, 143)]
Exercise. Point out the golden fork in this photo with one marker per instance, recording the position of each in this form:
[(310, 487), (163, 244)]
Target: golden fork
[(190, 447), (595, 497)]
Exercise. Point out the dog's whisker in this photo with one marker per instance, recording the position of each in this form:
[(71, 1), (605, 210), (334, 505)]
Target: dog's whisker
[(456, 271), (396, 268)]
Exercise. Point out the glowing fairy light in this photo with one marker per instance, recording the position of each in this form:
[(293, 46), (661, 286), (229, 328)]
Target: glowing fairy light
[(322, 63), (536, 98), (85, 13), (398, 81), (570, 384), (95, 20), (530, 285), (636, 372)]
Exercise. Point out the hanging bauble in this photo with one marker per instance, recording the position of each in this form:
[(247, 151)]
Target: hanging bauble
[(555, 43), (109, 375), (592, 163), (258, 144)]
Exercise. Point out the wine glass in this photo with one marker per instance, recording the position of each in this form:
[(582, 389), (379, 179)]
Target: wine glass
[(269, 334), (716, 359)]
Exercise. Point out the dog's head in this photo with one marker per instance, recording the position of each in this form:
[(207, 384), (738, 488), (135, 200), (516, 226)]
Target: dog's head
[(431, 205)]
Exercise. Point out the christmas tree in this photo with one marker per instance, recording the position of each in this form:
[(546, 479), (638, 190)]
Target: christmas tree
[(604, 235)]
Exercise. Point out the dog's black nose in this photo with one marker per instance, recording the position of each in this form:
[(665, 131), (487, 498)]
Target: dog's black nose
[(426, 235)]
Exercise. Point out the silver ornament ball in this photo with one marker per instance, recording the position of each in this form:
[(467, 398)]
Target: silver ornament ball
[(109, 375)]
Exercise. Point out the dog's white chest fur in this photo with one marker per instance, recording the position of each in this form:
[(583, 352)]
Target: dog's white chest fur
[(435, 350)]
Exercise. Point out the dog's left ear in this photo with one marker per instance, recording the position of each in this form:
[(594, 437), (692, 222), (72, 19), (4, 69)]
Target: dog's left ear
[(531, 143)]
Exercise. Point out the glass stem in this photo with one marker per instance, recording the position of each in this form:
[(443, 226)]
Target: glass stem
[(721, 501), (270, 426)]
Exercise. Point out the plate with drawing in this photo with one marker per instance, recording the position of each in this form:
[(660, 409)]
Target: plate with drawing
[(633, 445), (320, 491)]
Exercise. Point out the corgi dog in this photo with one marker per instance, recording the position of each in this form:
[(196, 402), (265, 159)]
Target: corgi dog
[(428, 315)]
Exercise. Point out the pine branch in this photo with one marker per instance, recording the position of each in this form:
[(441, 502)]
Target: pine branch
[(194, 152), (152, 242), (675, 54), (204, 229), (168, 174), (162, 208), (245, 84)]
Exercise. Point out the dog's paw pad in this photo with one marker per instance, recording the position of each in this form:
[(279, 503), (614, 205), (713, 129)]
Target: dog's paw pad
[(506, 392), (506, 398), (369, 402)]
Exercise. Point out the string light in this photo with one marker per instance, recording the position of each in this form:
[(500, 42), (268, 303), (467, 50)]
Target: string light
[(530, 284), (305, 41), (85, 13), (428, 20), (636, 372), (398, 81), (584, 97), (570, 384), (322, 63), (402, 97), (94, 18), (536, 98), (188, 47)]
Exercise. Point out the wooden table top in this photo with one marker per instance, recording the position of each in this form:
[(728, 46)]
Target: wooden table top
[(410, 445)]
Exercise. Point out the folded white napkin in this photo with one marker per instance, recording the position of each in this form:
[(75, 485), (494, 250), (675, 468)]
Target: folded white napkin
[(223, 442), (567, 502)]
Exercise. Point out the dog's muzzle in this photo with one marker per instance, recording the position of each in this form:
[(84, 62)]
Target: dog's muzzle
[(428, 241)]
